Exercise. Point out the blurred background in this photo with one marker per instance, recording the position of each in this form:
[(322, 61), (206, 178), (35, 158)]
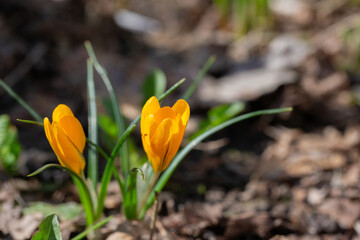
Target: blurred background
[(287, 176)]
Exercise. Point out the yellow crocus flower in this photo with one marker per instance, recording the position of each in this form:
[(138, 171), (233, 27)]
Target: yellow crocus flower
[(162, 130), (67, 138)]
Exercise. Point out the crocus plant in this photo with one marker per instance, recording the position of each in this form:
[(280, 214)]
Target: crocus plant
[(67, 138), (162, 131)]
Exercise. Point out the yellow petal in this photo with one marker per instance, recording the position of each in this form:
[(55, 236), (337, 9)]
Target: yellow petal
[(74, 131), (182, 107), (70, 155), (50, 135), (150, 107), (165, 112), (159, 116), (61, 111), (160, 138), (175, 141)]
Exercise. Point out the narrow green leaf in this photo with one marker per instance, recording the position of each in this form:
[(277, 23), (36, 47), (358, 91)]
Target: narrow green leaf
[(99, 149), (33, 113), (108, 170), (180, 156), (91, 228), (85, 199), (92, 165), (129, 204), (198, 78), (49, 229), (170, 90), (154, 85), (140, 171), (124, 152), (40, 124), (43, 168)]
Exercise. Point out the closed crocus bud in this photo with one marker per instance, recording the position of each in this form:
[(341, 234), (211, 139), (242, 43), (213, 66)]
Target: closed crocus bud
[(67, 138), (162, 130)]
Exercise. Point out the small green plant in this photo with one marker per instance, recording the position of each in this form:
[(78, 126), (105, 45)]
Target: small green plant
[(244, 15), (9, 145)]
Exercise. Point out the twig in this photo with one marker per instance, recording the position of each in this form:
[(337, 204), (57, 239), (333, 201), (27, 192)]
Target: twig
[(153, 218)]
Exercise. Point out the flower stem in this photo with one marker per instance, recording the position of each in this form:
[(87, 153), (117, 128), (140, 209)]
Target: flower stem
[(149, 189)]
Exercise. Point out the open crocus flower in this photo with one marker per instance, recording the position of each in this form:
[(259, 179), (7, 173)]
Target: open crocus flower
[(67, 138), (162, 130)]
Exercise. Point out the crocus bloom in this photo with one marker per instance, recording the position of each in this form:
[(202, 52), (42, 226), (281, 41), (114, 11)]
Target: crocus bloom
[(162, 130), (67, 138)]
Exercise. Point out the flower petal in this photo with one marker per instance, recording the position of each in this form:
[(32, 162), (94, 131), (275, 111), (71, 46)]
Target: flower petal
[(70, 157), (61, 111), (159, 116), (182, 107), (74, 131), (50, 135), (150, 107), (176, 138), (160, 138)]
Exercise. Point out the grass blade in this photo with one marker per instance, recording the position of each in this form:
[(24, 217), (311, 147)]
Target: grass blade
[(40, 124), (91, 228), (198, 78), (33, 113), (124, 151), (92, 128), (179, 157)]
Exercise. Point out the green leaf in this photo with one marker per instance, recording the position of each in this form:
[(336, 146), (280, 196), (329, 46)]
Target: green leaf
[(154, 85), (130, 198), (180, 156), (198, 78), (92, 128), (120, 122), (66, 211), (40, 124), (43, 168), (218, 115), (139, 171), (91, 228), (108, 171), (49, 229), (9, 145), (33, 113)]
